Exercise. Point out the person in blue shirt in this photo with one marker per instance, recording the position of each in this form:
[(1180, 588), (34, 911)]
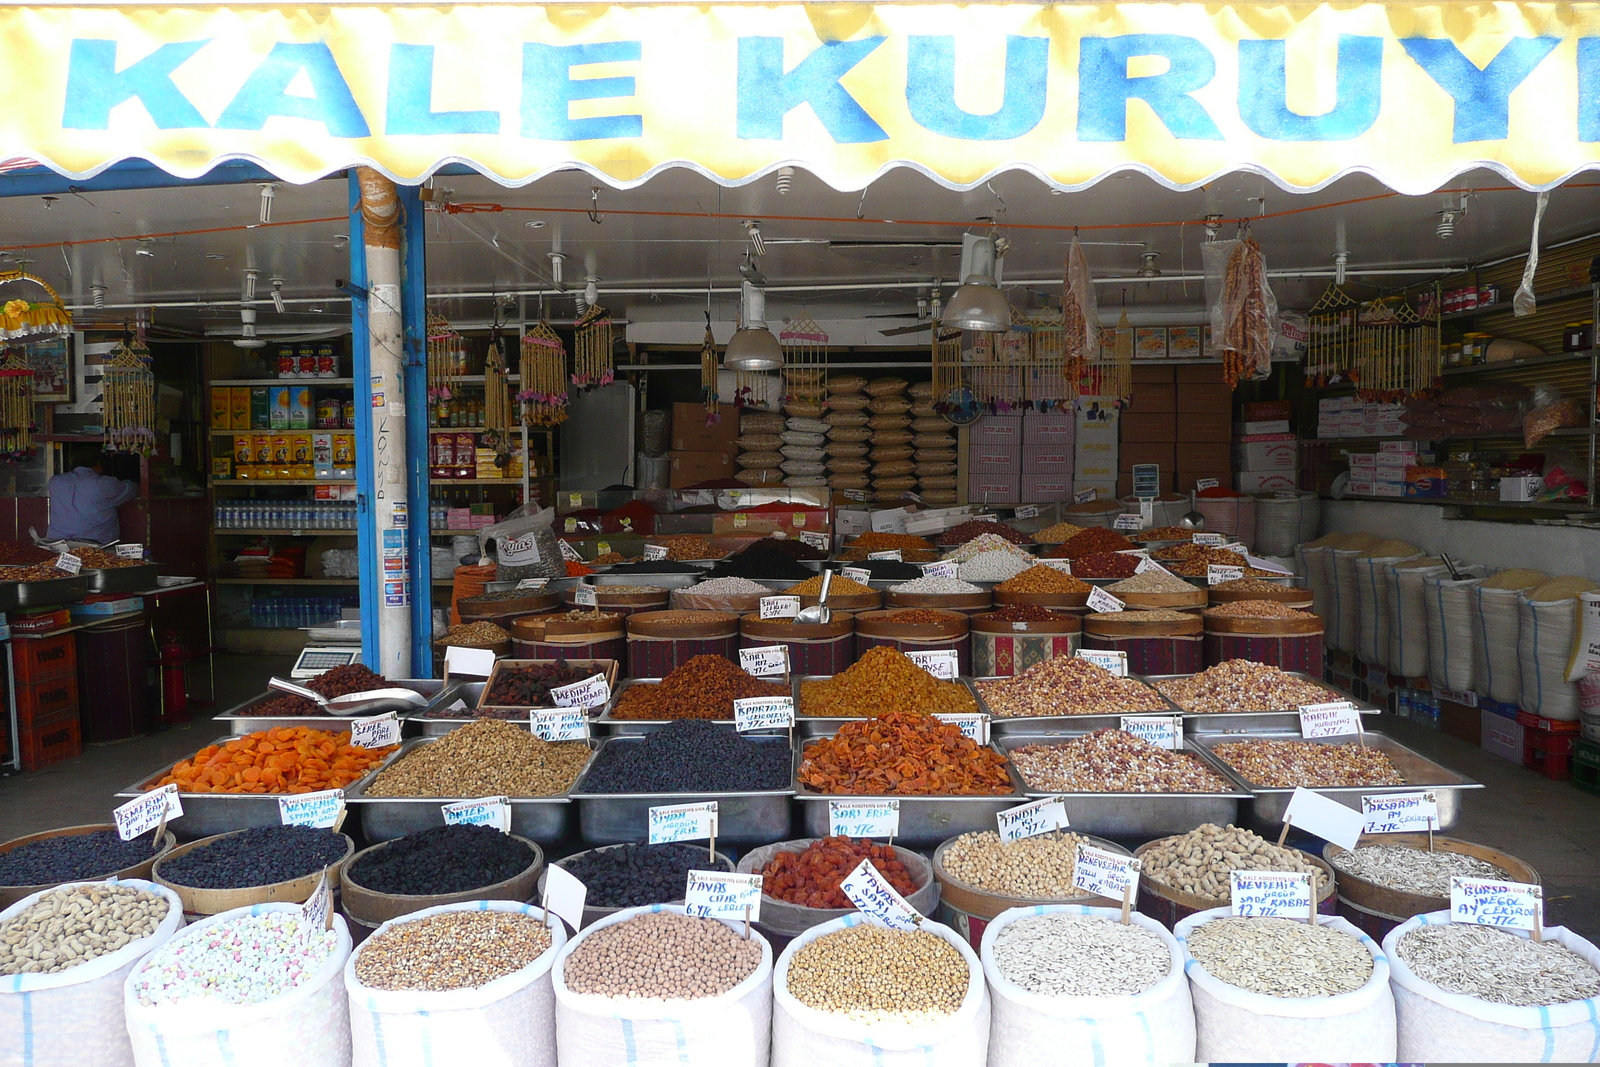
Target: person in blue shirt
[(84, 503)]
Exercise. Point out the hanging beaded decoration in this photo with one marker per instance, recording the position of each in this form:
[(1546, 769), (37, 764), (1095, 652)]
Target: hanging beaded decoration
[(805, 361), (591, 349), (1111, 372), (1045, 377), (708, 374), (443, 343), (1332, 336), (544, 377), (1398, 353), (496, 398), (128, 392), (946, 356), (16, 405)]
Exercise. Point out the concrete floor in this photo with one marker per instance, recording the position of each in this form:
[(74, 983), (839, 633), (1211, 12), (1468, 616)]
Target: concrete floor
[(1547, 824)]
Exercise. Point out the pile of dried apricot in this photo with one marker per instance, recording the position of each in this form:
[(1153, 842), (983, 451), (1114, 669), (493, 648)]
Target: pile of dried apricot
[(288, 759)]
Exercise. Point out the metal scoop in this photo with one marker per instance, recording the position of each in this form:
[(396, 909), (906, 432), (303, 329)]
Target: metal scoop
[(1192, 519), (818, 612), (372, 702)]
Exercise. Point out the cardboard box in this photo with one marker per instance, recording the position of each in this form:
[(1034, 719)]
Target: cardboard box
[(1151, 399), (1201, 398), (1141, 428), (1163, 455), (1049, 429), (691, 434), (1246, 429), (1396, 489), (1264, 481), (1044, 488), (1202, 457), (1426, 482), (994, 459), (997, 430), (1364, 462), (1460, 721), (1500, 735), (1056, 462), (1152, 376), (993, 488), (692, 467), (1210, 428), (1271, 455), (1406, 447), (1520, 487), (1201, 374), (1266, 409), (1360, 486)]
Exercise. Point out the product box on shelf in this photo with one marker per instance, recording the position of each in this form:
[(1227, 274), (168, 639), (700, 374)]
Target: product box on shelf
[(221, 407), (1051, 430), (1425, 482), (1047, 460), (1406, 447), (1266, 452), (1001, 430), (1363, 462), (691, 434), (1360, 485), (994, 458), (1245, 429), (1387, 488), (691, 468), (1499, 735), (238, 407), (1259, 410), (1207, 457), (1209, 427), (1140, 428), (1264, 481), (994, 487)]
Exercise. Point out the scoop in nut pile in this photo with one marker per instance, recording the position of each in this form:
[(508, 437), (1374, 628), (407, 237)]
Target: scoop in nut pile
[(1241, 685), (1065, 686)]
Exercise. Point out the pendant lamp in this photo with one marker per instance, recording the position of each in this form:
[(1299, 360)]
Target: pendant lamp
[(978, 304), (753, 348)]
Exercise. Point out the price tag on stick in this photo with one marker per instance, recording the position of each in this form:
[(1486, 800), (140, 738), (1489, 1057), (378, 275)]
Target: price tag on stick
[(1102, 601), (1115, 662), (477, 662), (1028, 820), (564, 895), (533, 584), (592, 692), (864, 818), (584, 595), (655, 552), (871, 892), (69, 563), (1209, 540), (1277, 894), (130, 551), (486, 811), (888, 553), (1107, 874), (317, 911), (856, 574), (685, 822), (973, 725), (763, 713), (766, 661), (376, 731), (945, 568), (1325, 817), (1162, 731), (1128, 522), (147, 812), (1217, 573), (1337, 718), (944, 664), (1401, 813), (815, 540), (320, 810), (559, 724), (719, 895), (1026, 511), (1508, 905), (780, 607)]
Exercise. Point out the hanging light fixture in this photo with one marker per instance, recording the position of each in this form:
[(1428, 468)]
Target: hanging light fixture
[(1149, 264), (979, 304), (753, 348)]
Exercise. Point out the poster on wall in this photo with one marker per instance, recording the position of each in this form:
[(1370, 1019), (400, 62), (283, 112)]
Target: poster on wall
[(51, 361)]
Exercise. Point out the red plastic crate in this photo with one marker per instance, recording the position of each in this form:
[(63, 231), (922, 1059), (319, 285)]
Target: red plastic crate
[(41, 621), (1548, 754), (51, 744), (45, 702), (42, 659), (1549, 726)]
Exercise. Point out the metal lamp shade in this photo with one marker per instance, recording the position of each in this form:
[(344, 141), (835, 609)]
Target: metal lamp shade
[(976, 306), (753, 349)]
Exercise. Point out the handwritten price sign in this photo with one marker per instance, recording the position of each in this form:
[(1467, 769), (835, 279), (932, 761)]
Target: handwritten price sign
[(1484, 902), (1029, 820), (863, 818)]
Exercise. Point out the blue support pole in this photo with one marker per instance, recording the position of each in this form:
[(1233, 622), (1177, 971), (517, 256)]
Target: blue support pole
[(367, 540), (414, 311)]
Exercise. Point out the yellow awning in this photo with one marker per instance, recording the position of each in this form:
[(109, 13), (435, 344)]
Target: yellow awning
[(1413, 93)]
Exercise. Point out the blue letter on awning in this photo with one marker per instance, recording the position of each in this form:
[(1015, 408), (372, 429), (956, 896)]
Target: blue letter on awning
[(263, 94), (95, 86), (1104, 87), (548, 89), (1264, 92), (767, 94), (931, 89)]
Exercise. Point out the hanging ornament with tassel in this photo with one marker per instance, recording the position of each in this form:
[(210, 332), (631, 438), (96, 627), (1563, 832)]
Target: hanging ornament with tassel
[(16, 405), (129, 397), (443, 343), (496, 397), (544, 377), (591, 349), (708, 373)]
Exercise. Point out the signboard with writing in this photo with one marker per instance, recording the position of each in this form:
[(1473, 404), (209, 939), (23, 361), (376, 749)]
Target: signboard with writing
[(1279, 894), (143, 814), (1105, 874), (888, 553), (319, 810), (1212, 540), (765, 661), (1400, 813), (815, 540), (533, 583), (942, 663), (717, 895), (376, 731), (318, 906), (856, 574), (1337, 718), (1485, 902), (683, 822), (69, 563), (1026, 511), (1102, 601), (1028, 820), (1128, 522), (1162, 731), (592, 692), (1062, 565), (864, 818), (1115, 662), (130, 551), (1085, 496), (559, 724), (945, 568), (1148, 564), (569, 553), (1202, 484), (763, 713), (973, 725), (780, 607), (871, 892), (653, 552), (485, 811), (585, 596), (1217, 573)]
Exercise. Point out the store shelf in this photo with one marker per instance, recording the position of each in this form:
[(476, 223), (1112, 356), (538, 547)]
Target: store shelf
[(288, 532), (282, 381), (1528, 361), (299, 429), (1505, 305), (281, 481), (1453, 502), (287, 581)]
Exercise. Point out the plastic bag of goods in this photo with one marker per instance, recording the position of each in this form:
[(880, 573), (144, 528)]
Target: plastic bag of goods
[(1347, 1018), (1585, 659), (492, 1005), (886, 386), (1284, 520), (761, 422), (1043, 1011), (939, 496), (276, 992), (803, 425), (801, 438), (759, 460), (1471, 1022), (621, 1000), (849, 434), (525, 545), (802, 453), (849, 402), (760, 442), (1314, 559), (1372, 608), (1449, 605), (849, 466), (73, 1017), (1407, 624), (842, 991), (880, 423), (846, 383), (801, 408), (1547, 628), (1496, 624), (805, 481), (760, 476), (803, 467), (1234, 515)]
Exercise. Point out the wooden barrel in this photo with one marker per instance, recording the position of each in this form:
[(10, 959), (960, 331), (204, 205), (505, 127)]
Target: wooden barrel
[(593, 914), (1295, 596), (198, 901), (1192, 599), (10, 894), (786, 920), (1058, 601), (1377, 908), (1158, 647), (1001, 648), (487, 609), (371, 908), (869, 601), (874, 628), (1169, 906), (659, 642), (968, 909), (739, 603), (1295, 652), (966, 603), (823, 648), (622, 603), (557, 637)]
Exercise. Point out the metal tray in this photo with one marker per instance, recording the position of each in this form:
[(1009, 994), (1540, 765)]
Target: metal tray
[(634, 727), (1255, 722), (46, 593), (1264, 813), (666, 582), (240, 723), (1061, 724), (208, 814), (1139, 814), (924, 821), (466, 692), (122, 579), (744, 819), (810, 726), (542, 819)]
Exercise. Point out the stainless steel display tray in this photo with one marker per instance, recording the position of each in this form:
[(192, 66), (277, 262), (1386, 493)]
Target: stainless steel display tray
[(615, 727), (542, 819), (241, 723), (810, 726), (1254, 722), (122, 579), (924, 821), (1138, 814), (660, 581), (746, 819), (1264, 813), (206, 814), (42, 594), (1061, 724), (466, 692)]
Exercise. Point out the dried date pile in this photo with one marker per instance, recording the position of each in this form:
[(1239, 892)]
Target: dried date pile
[(705, 687), (335, 682), (529, 687)]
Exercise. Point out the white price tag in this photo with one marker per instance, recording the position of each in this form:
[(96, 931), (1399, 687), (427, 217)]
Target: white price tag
[(318, 905), (767, 661), (1457, 696), (780, 607), (1102, 601), (763, 713), (891, 553), (534, 584), (1484, 902), (854, 494), (319, 810), (478, 662), (944, 664), (1027, 511), (1327, 818), (569, 553), (864, 818), (1216, 574), (683, 822), (1265, 564), (1337, 718), (564, 895), (592, 692), (815, 540), (945, 568), (1205, 483), (1062, 565), (856, 574), (1280, 894), (871, 892), (1210, 540), (126, 551), (1162, 731), (1400, 813), (1115, 662), (486, 811), (377, 731), (1085, 496), (973, 725), (1036, 817), (716, 895), (560, 724), (1236, 546), (1128, 522), (1105, 874), (1148, 564), (655, 551), (143, 814), (584, 595), (69, 563)]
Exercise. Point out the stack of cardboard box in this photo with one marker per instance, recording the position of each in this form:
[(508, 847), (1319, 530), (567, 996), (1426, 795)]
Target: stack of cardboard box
[(1149, 427), (1205, 425), (701, 452), (1094, 446), (1025, 458)]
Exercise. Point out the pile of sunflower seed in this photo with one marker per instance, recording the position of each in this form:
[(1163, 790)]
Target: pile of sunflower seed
[(1413, 870), (1281, 957), (1060, 954), (1498, 965)]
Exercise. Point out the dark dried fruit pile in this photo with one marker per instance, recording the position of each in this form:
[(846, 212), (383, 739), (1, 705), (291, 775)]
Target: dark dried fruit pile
[(73, 858), (960, 535), (261, 856), (769, 557), (1105, 565), (335, 682), (445, 859), (529, 687), (689, 756), (705, 687), (21, 554), (631, 876), (811, 877)]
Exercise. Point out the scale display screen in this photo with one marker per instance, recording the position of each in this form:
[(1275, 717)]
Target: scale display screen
[(313, 661)]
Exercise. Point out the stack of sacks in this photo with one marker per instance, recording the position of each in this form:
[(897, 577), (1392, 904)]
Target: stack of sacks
[(889, 420), (933, 443), (845, 452), (760, 438), (804, 434)]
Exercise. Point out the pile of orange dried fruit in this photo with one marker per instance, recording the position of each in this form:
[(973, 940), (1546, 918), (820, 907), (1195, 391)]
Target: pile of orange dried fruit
[(288, 759), (906, 755)]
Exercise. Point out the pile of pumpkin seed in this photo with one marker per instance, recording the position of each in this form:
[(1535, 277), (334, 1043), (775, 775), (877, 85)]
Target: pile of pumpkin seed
[(1281, 957), (1497, 965)]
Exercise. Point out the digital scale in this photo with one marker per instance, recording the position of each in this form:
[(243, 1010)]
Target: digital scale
[(314, 659)]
